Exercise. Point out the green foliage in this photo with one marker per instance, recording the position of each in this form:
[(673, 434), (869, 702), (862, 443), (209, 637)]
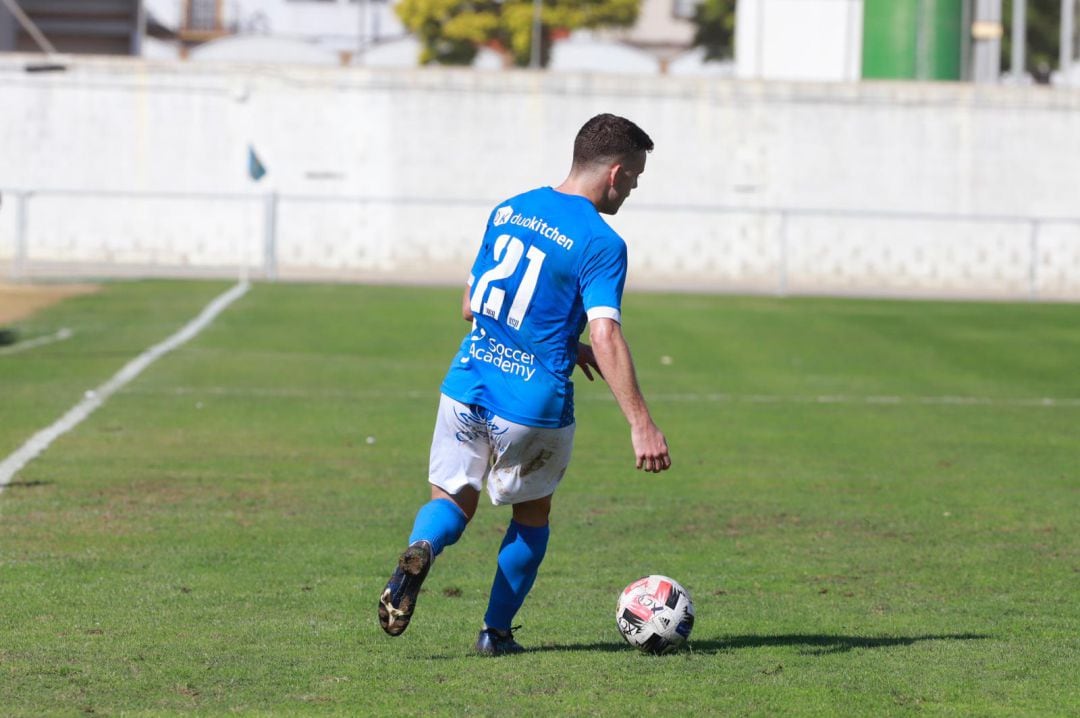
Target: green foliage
[(872, 505), (451, 31), (715, 21)]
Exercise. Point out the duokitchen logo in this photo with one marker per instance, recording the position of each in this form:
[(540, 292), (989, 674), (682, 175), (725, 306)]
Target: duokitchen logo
[(503, 214)]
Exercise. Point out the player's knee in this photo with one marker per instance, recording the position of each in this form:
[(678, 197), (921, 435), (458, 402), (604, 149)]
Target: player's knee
[(533, 513), (466, 500)]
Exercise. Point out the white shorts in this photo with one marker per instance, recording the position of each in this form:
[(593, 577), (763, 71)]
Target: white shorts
[(519, 463)]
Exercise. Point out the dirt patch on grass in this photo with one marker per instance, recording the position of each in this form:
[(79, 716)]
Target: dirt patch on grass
[(18, 301)]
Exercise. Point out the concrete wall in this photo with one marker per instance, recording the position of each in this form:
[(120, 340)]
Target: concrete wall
[(873, 189)]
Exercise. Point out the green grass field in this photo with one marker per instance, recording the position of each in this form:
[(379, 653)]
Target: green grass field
[(873, 506)]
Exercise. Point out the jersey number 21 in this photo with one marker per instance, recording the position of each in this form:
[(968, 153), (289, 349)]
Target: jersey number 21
[(508, 253)]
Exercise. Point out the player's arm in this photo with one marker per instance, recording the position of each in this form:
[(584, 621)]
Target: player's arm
[(466, 309), (616, 365)]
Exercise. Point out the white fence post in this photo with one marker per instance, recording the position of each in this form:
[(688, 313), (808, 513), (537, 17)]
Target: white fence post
[(782, 258), (1033, 268), (270, 267), (18, 264)]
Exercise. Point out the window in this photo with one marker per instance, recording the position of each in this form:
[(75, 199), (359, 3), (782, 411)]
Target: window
[(684, 9), (203, 15)]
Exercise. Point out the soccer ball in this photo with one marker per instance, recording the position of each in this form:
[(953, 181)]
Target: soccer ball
[(655, 614)]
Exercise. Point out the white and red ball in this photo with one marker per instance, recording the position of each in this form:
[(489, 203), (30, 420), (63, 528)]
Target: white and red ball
[(655, 614)]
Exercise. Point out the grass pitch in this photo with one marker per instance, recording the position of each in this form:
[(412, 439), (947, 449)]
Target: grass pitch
[(873, 504)]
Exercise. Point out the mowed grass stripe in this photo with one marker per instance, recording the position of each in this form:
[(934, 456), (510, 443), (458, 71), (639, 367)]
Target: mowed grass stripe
[(222, 550), (346, 395), (94, 398), (108, 329)]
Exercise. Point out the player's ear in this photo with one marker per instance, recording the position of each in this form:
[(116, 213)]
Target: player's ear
[(613, 173)]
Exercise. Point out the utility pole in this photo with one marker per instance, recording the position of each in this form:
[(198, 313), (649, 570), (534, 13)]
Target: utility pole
[(534, 56)]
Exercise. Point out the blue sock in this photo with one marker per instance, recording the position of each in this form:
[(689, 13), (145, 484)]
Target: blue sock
[(520, 555), (439, 522)]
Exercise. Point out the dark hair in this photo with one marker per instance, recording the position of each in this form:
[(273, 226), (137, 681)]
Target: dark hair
[(608, 136)]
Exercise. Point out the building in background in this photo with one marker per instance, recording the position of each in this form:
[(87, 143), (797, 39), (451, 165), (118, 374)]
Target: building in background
[(105, 27), (786, 40), (850, 40), (299, 31), (369, 32), (814, 40), (664, 29), (318, 32)]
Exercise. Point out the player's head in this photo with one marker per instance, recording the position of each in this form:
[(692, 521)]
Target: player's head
[(611, 150)]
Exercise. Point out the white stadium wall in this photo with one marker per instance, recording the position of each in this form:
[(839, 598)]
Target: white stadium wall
[(117, 167)]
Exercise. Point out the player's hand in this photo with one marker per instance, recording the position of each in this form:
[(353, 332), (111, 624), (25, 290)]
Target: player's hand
[(587, 361), (651, 448)]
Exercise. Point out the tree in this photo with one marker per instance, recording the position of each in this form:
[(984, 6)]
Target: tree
[(715, 20), (452, 31)]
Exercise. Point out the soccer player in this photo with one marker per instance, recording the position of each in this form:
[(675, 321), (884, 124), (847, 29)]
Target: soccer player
[(548, 265)]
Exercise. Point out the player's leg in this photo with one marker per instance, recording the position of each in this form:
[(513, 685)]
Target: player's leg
[(522, 550), (441, 521), (458, 465), (534, 465)]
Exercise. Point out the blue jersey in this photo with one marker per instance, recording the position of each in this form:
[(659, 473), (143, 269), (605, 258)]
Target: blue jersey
[(548, 264)]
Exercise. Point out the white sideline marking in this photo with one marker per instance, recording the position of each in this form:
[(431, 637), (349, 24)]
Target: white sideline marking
[(40, 341), (427, 394), (96, 397)]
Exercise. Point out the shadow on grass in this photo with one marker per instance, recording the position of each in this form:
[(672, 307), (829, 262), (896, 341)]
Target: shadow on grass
[(809, 644)]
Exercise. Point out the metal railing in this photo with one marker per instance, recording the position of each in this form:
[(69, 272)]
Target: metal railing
[(262, 258)]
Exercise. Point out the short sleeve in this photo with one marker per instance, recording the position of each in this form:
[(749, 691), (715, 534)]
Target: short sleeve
[(602, 277)]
